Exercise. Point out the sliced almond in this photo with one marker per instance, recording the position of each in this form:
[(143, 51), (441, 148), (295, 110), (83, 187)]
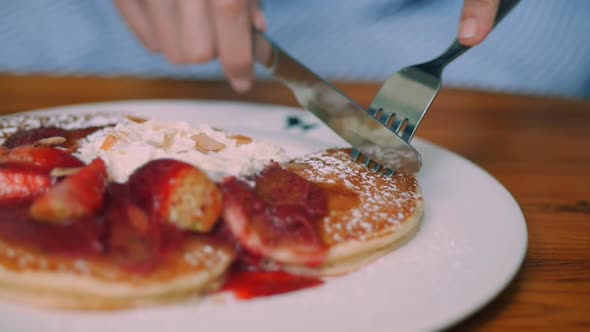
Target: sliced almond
[(63, 171), (136, 119), (200, 149), (109, 142), (207, 143), (241, 139), (50, 141), (122, 136), (168, 140)]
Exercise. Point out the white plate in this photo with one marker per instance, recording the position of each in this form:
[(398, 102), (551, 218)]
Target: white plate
[(472, 241)]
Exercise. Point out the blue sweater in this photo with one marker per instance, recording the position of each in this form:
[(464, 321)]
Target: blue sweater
[(542, 47)]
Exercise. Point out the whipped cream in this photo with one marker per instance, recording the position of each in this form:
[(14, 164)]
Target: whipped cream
[(135, 144)]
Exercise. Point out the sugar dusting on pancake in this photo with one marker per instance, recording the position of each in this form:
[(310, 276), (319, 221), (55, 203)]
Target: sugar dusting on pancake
[(370, 214), (362, 217)]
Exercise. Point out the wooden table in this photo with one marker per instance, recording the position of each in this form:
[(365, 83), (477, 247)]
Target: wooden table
[(539, 148)]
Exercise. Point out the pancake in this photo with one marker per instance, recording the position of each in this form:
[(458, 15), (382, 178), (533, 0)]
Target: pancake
[(31, 277), (370, 214)]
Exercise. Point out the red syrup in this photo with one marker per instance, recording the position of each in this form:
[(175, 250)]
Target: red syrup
[(81, 239), (246, 279), (113, 235), (245, 284)]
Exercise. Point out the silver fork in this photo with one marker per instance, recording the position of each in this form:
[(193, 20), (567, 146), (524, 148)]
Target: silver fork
[(405, 97)]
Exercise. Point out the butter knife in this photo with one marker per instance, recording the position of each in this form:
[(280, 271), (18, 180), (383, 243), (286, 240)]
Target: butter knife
[(381, 149)]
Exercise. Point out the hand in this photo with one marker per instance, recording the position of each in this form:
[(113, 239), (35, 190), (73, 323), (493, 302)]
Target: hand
[(477, 20), (198, 31)]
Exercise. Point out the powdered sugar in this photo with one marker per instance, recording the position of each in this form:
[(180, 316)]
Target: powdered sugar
[(382, 203)]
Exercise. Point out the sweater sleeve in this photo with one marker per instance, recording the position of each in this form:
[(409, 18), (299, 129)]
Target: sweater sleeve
[(542, 47)]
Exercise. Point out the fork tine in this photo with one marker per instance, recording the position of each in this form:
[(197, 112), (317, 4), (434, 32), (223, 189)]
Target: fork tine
[(397, 124), (408, 132), (376, 112), (371, 164), (389, 172), (387, 120), (355, 154)]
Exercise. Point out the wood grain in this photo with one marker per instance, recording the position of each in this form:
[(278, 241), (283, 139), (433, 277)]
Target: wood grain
[(539, 148)]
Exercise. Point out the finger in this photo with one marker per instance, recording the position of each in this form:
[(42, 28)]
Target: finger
[(135, 14), (256, 15), (196, 31), (164, 16), (477, 20), (234, 41)]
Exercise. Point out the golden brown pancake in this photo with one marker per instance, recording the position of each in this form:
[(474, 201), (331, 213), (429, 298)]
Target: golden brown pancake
[(30, 277), (370, 214)]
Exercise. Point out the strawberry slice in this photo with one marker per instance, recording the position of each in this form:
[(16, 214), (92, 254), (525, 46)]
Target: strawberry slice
[(178, 193), (41, 157), (77, 196), (18, 184), (277, 219), (281, 187)]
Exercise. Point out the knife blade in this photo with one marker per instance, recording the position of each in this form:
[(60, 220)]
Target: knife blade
[(339, 112)]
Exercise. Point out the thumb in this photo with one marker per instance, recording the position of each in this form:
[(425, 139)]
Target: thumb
[(477, 20)]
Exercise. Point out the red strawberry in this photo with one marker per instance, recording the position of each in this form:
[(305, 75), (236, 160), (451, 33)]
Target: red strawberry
[(31, 136), (77, 196), (281, 187), (17, 184), (178, 193), (42, 157), (277, 219)]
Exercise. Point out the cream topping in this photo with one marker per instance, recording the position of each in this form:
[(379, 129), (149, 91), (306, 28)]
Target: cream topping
[(131, 144)]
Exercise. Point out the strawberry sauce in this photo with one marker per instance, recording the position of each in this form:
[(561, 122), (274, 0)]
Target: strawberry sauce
[(113, 234), (282, 211), (246, 284), (278, 218), (80, 239), (30, 136)]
